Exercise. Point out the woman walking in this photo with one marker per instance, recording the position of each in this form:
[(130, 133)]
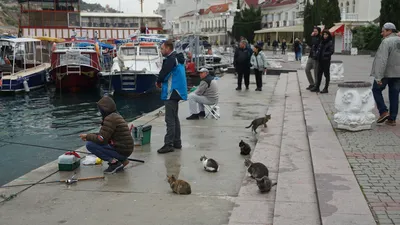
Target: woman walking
[(324, 54), (259, 63)]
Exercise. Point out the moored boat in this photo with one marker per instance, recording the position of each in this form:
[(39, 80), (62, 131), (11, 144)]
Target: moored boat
[(75, 65), (22, 66)]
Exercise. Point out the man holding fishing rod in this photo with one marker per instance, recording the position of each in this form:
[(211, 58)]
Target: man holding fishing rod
[(114, 142)]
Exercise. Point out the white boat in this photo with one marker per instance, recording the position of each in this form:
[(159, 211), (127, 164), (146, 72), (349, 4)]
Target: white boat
[(23, 69), (136, 67)]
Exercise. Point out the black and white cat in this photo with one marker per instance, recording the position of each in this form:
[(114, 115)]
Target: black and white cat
[(210, 165)]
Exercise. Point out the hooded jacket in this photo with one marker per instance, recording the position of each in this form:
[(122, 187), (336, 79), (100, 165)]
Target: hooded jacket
[(259, 61), (387, 58), (325, 48), (173, 77), (114, 129), (315, 41)]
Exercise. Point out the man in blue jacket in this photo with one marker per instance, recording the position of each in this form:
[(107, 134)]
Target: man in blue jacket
[(172, 81)]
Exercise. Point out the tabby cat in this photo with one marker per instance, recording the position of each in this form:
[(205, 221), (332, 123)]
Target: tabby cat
[(179, 187), (256, 170), (244, 148), (258, 122), (264, 184)]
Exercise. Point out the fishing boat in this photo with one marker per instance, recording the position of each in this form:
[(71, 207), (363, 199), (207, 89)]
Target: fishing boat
[(75, 65), (47, 44), (135, 69), (22, 67)]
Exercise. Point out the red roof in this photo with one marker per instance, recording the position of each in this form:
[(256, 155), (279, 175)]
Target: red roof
[(251, 2), (274, 3), (217, 8)]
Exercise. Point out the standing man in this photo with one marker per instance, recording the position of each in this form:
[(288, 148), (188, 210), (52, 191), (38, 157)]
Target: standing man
[(172, 81), (241, 62), (312, 62), (386, 71)]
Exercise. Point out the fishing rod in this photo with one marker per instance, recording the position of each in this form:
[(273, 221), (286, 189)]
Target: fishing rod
[(70, 181), (61, 149)]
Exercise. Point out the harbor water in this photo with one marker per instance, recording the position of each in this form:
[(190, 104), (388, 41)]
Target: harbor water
[(32, 125)]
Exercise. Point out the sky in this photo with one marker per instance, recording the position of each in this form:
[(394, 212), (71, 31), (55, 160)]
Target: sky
[(129, 6)]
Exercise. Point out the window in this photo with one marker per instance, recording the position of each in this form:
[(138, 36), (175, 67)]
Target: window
[(148, 51), (286, 16), (354, 6), (347, 7), (341, 7), (128, 51)]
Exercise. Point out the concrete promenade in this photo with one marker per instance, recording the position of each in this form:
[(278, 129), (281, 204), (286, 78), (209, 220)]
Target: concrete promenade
[(316, 183)]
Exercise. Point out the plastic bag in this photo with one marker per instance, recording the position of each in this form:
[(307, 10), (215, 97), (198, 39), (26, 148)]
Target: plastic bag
[(91, 160)]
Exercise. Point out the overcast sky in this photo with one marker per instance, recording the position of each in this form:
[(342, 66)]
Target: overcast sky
[(129, 6)]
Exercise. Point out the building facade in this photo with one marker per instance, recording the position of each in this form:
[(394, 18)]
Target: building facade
[(171, 10)]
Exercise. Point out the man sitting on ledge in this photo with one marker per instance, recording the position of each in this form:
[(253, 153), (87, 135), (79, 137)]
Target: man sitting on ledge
[(205, 94)]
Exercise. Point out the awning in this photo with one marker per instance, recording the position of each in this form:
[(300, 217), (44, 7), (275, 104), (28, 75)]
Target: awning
[(337, 29), (291, 29)]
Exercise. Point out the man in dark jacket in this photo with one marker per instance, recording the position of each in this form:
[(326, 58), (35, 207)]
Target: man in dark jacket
[(241, 62), (114, 142), (172, 81), (312, 62)]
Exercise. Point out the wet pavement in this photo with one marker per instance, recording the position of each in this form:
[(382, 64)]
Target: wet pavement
[(141, 194)]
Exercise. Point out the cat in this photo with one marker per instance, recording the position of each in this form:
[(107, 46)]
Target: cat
[(210, 165), (265, 184), (179, 187), (256, 170), (244, 148), (259, 121)]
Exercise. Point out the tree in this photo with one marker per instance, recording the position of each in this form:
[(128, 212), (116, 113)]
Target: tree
[(390, 12), (367, 37), (246, 22), (308, 23), (331, 12)]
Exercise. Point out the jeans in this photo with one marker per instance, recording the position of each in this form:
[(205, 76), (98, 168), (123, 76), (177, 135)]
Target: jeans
[(298, 55), (104, 152), (258, 74), (243, 72), (312, 64), (197, 102), (173, 135), (324, 67), (394, 90)]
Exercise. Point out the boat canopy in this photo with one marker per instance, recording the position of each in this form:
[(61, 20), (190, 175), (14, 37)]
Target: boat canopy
[(20, 40)]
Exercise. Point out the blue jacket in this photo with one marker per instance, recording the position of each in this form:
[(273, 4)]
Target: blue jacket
[(173, 78)]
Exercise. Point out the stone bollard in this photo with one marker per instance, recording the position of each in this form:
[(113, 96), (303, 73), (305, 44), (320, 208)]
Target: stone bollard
[(337, 71), (291, 57), (274, 64), (354, 102), (304, 60)]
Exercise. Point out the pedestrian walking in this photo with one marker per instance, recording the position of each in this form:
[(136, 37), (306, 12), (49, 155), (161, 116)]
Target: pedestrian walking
[(283, 46), (386, 71)]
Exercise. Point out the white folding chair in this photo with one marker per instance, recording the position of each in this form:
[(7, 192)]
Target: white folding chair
[(213, 110)]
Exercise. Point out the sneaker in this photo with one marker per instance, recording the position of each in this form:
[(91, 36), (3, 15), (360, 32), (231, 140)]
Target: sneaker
[(258, 89), (310, 87), (193, 117), (113, 167), (202, 114), (384, 116), (238, 89), (391, 122), (166, 149), (314, 89)]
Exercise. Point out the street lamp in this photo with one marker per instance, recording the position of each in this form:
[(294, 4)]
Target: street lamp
[(171, 23), (226, 16)]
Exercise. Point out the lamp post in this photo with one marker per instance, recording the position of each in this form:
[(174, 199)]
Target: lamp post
[(226, 16), (172, 23)]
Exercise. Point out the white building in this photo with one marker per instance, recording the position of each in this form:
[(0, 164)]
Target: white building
[(354, 13), (171, 10), (282, 19)]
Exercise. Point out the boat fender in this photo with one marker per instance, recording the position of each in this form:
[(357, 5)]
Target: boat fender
[(26, 86), (47, 77), (53, 48), (96, 46)]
